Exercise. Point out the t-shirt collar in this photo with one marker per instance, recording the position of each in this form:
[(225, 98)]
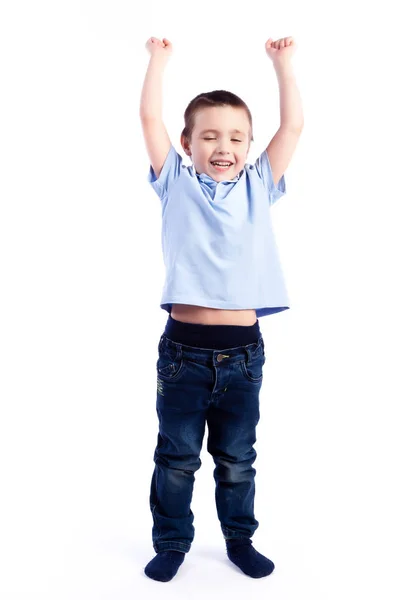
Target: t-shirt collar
[(207, 179)]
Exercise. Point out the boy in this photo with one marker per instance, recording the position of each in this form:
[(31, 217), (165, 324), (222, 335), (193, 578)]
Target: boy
[(223, 272)]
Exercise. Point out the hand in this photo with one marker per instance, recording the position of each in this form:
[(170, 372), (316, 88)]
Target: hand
[(280, 51), (159, 48)]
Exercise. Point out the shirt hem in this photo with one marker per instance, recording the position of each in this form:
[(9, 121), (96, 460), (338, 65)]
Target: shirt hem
[(260, 310)]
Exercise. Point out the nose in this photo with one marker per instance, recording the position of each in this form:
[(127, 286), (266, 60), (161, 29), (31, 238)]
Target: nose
[(223, 145), (224, 154)]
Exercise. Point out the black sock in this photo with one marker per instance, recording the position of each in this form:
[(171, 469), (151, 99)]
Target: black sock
[(244, 556), (164, 566)]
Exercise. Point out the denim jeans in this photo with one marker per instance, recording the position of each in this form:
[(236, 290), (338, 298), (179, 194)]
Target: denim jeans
[(195, 386)]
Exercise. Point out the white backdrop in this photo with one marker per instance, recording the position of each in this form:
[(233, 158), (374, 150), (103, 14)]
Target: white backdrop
[(81, 275)]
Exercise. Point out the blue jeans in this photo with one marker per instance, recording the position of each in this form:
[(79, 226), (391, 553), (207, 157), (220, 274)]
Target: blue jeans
[(195, 386)]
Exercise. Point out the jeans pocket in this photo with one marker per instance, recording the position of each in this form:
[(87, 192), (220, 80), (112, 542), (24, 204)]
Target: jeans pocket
[(169, 367), (253, 370)]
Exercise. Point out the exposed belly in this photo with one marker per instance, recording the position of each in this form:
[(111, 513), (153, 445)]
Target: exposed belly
[(212, 316)]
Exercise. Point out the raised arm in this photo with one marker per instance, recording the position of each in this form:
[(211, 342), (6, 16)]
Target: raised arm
[(283, 144), (155, 134)]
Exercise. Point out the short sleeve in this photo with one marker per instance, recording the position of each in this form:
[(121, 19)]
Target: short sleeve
[(264, 171), (169, 173)]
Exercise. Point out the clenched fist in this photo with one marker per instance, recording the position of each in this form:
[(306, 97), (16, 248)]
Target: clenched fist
[(160, 48), (280, 51)]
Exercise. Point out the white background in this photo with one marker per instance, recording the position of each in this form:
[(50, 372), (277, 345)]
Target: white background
[(81, 275)]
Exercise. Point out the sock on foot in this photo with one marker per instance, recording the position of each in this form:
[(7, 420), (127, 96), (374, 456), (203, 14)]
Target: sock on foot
[(164, 566), (244, 556)]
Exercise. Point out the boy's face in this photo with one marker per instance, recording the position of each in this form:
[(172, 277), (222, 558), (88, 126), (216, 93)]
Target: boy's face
[(223, 144)]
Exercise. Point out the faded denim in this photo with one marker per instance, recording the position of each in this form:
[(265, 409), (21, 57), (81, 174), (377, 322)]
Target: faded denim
[(195, 386)]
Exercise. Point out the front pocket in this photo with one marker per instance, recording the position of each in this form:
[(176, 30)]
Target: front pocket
[(253, 370), (169, 368)]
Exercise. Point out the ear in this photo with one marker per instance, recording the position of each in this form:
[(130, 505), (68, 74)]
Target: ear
[(185, 145)]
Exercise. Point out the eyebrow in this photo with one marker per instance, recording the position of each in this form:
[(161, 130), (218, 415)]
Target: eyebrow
[(216, 131)]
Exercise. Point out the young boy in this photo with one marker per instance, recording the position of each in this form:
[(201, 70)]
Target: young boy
[(222, 273)]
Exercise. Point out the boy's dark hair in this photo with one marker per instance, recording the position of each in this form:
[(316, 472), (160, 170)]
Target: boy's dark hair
[(207, 99)]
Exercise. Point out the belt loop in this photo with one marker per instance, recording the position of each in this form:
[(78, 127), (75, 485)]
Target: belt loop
[(248, 354)]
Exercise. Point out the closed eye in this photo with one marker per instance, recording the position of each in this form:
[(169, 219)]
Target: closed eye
[(214, 139)]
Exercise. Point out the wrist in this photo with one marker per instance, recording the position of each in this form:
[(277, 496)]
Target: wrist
[(283, 68), (158, 60)]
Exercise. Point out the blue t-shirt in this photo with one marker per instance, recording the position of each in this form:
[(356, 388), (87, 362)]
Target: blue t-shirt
[(218, 243)]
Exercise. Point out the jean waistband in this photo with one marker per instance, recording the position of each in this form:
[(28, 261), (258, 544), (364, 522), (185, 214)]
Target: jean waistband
[(209, 356)]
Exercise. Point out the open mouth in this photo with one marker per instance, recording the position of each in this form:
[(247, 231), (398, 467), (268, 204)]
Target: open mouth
[(221, 166)]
